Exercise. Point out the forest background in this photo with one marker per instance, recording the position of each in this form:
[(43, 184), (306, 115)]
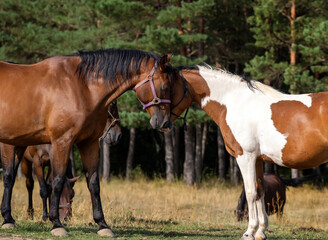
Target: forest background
[(283, 43)]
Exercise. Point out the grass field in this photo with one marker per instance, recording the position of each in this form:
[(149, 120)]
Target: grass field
[(143, 209)]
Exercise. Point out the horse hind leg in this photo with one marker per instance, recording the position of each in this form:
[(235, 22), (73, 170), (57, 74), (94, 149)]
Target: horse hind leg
[(27, 171), (260, 203), (247, 165), (10, 165)]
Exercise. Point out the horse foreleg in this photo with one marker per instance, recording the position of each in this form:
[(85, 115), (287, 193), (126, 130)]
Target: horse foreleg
[(60, 153), (89, 156), (246, 163), (27, 171), (10, 165), (260, 204)]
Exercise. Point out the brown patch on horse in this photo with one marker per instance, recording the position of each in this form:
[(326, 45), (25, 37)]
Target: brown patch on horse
[(218, 112), (199, 89), (266, 158), (306, 130)]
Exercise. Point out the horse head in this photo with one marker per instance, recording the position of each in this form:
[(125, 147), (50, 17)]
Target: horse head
[(112, 132), (153, 91), (66, 198)]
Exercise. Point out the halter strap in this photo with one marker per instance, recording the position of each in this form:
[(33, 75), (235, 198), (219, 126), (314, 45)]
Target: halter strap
[(185, 91), (156, 100), (111, 125)]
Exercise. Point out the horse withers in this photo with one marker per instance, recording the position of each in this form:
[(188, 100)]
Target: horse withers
[(63, 101), (258, 123)]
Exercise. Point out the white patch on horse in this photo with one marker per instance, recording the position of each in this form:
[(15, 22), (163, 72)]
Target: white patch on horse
[(249, 114)]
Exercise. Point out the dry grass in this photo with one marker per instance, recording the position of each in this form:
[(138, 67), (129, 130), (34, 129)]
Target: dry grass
[(143, 203)]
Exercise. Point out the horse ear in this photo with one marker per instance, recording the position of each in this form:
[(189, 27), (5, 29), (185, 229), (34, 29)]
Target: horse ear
[(164, 61), (73, 180)]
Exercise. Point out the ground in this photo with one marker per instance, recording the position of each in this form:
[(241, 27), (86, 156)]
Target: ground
[(144, 209)]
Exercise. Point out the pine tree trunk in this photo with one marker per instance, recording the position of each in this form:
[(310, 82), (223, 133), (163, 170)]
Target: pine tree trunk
[(175, 143), (71, 158), (295, 173), (188, 166), (204, 137), (169, 157), (106, 161), (198, 154), (234, 171), (292, 33), (129, 160), (19, 172), (221, 155)]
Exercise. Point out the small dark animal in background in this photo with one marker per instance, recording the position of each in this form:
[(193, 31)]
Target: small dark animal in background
[(274, 195)]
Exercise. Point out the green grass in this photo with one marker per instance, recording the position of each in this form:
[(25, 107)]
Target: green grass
[(157, 210)]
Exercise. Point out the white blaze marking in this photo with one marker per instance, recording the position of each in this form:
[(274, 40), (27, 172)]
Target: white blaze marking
[(249, 112)]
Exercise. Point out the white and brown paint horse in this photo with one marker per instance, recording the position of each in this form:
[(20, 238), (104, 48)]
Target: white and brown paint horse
[(258, 123)]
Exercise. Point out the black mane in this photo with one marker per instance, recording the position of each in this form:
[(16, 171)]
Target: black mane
[(113, 65)]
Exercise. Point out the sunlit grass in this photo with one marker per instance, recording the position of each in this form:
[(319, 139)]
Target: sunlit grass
[(154, 207)]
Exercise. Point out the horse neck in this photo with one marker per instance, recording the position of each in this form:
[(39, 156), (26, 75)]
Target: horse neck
[(222, 86), (211, 89)]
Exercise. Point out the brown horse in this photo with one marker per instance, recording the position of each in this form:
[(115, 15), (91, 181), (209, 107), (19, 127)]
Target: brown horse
[(257, 123), (39, 156), (63, 100), (274, 194)]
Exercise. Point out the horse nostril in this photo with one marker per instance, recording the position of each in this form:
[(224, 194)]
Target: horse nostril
[(65, 219)]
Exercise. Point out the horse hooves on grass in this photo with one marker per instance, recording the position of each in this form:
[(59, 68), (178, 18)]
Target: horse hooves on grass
[(8, 225), (59, 232), (106, 232)]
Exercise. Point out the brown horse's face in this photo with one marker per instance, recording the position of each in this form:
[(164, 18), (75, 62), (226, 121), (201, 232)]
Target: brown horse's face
[(180, 96), (159, 111), (66, 199), (114, 132)]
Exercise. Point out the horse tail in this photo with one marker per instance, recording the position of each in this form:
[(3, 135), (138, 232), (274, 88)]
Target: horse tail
[(295, 182), (242, 203)]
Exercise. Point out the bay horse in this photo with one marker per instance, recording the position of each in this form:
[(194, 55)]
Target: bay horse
[(258, 123), (39, 156), (63, 100), (274, 194)]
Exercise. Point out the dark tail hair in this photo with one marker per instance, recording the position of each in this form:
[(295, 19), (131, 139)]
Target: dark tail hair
[(295, 182)]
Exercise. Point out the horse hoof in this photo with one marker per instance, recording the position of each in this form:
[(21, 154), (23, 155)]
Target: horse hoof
[(106, 232), (247, 237), (59, 232), (260, 237), (8, 225)]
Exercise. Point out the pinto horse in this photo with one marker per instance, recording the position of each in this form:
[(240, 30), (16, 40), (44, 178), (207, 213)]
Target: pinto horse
[(63, 100), (258, 123)]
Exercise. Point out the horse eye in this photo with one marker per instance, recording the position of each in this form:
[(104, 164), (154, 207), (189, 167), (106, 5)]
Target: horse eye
[(164, 87)]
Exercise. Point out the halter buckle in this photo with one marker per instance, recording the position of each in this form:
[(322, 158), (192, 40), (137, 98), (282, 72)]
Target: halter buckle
[(156, 100)]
